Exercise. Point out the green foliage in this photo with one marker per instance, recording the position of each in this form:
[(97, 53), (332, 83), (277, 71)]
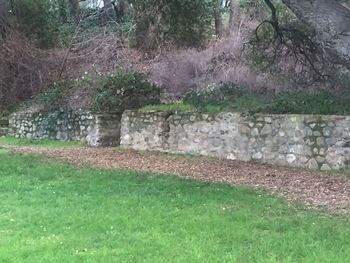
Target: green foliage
[(38, 143), (170, 107), (190, 22), (125, 90), (62, 10), (126, 26), (215, 98), (50, 97), (323, 102), (59, 213), (38, 19), (113, 92), (232, 98), (186, 22), (252, 102)]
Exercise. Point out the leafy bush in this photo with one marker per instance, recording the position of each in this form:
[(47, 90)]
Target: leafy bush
[(114, 92), (186, 22), (125, 90), (190, 22), (51, 97)]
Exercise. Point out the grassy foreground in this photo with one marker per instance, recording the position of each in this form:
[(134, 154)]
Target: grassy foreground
[(51, 212), (36, 142)]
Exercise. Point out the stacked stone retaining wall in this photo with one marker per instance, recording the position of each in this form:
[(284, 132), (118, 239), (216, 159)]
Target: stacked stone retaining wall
[(310, 141), (4, 123), (93, 128)]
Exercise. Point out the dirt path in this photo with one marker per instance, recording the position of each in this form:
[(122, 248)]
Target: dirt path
[(314, 188)]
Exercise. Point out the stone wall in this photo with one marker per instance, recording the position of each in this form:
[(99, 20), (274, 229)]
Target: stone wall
[(4, 123), (92, 128), (310, 141)]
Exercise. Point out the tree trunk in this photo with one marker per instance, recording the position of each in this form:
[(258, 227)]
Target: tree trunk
[(108, 10), (74, 10), (121, 9), (331, 22), (218, 19), (3, 20), (234, 13)]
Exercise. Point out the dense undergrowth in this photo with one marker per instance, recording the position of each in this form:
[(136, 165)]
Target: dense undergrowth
[(131, 90), (230, 97), (65, 50)]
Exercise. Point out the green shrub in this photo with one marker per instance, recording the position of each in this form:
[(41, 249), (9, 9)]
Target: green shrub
[(51, 97), (125, 90), (221, 96), (185, 22), (190, 22)]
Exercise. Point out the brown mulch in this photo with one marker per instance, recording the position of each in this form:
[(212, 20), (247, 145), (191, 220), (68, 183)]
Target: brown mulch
[(314, 188)]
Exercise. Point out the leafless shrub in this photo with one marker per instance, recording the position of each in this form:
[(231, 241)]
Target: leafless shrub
[(24, 70), (223, 61)]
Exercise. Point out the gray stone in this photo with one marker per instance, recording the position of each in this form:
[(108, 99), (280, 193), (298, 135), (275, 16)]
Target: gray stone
[(290, 158), (266, 130), (297, 149), (231, 156), (307, 131), (217, 142), (327, 131), (322, 151), (325, 167), (251, 124), (254, 132), (312, 164), (320, 141), (244, 129), (282, 133), (257, 156), (192, 118), (330, 141), (204, 129), (205, 116), (268, 119), (320, 159), (316, 133)]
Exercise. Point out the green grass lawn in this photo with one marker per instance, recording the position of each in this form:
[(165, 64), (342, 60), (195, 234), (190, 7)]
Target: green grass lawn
[(35, 142), (52, 212), (170, 107)]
